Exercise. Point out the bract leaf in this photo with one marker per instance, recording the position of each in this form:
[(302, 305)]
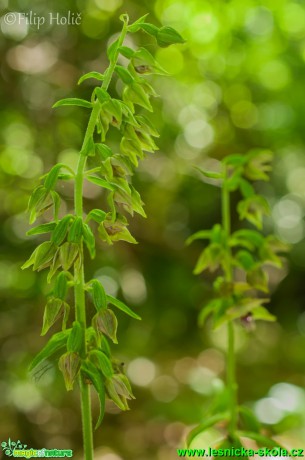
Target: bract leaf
[(73, 101), (121, 306)]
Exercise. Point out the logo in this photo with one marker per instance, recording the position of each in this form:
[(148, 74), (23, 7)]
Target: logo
[(17, 449)]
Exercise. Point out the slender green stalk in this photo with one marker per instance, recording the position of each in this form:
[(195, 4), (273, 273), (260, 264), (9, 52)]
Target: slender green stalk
[(79, 291), (231, 380), (86, 352), (110, 70), (79, 295), (237, 302)]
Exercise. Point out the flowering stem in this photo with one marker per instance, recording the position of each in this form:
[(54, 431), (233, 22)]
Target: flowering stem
[(231, 380), (79, 279)]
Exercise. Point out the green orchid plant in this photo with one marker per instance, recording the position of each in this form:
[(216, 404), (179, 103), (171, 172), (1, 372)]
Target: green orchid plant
[(85, 354), (240, 290)]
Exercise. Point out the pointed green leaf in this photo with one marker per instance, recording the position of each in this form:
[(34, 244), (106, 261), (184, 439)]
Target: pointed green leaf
[(65, 315), (52, 176), (209, 174), (102, 95), (150, 29), (90, 372), (258, 278), (73, 101), (244, 260), (106, 170), (246, 188), (103, 151), (57, 342), (135, 94), (37, 202), (44, 255), (252, 236), (137, 202), (124, 74), (168, 36), (210, 258), (218, 235), (56, 203), (102, 362), (55, 265), (98, 295), (248, 419), (121, 306), (209, 309), (234, 181), (97, 215), (112, 50), (263, 314), (66, 176), (88, 149), (126, 51), (89, 240), (97, 75), (104, 345), (209, 422), (128, 114), (135, 26), (101, 182), (147, 126), (41, 229), (262, 441), (235, 160), (148, 88)]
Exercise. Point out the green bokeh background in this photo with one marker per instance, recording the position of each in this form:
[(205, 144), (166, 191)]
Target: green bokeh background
[(237, 84)]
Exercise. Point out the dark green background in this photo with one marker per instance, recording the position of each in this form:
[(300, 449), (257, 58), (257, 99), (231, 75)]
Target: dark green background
[(237, 84)]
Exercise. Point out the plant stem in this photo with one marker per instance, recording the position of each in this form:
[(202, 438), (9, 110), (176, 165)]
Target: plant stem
[(111, 68), (231, 380), (79, 293), (79, 278)]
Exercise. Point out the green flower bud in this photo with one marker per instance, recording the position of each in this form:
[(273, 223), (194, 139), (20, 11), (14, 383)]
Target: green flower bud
[(76, 338), (61, 286), (68, 253), (105, 322), (119, 400), (69, 364), (122, 386), (76, 231), (53, 311), (61, 229)]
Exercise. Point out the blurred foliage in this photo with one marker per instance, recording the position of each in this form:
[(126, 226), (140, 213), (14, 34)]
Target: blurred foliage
[(238, 84)]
